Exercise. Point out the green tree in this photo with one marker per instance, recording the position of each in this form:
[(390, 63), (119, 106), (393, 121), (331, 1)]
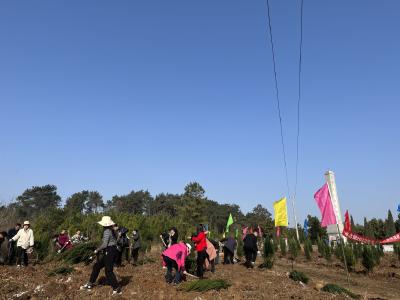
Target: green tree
[(37, 199), (165, 204), (194, 204), (94, 202), (269, 253), (260, 216), (76, 202), (307, 249), (315, 230), (293, 250), (282, 246), (368, 260), (353, 226), (134, 203), (390, 227)]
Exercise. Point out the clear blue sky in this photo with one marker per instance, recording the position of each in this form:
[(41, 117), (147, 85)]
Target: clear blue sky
[(125, 95)]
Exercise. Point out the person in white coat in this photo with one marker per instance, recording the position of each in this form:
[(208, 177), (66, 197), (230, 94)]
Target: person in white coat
[(25, 241)]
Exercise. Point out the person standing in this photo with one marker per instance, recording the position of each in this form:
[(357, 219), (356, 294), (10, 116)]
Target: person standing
[(201, 248), (250, 249), (106, 255), (25, 241), (136, 244), (122, 245), (229, 249), (173, 236), (12, 247)]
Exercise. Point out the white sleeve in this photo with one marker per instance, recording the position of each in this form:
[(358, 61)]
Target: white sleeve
[(31, 240)]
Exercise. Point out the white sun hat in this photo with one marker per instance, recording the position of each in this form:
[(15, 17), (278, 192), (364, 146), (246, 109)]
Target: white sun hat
[(27, 223), (106, 221), (189, 246)]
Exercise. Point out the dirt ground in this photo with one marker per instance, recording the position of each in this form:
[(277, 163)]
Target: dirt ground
[(147, 282)]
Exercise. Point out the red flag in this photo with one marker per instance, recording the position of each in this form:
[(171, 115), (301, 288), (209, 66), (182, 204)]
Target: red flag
[(347, 224), (278, 232), (324, 201)]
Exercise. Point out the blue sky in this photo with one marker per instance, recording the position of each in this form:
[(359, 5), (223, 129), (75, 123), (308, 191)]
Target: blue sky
[(126, 95)]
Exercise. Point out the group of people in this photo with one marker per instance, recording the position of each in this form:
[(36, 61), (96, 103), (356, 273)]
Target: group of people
[(20, 242), (117, 244)]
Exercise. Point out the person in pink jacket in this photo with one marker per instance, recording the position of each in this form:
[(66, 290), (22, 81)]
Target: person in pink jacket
[(174, 258)]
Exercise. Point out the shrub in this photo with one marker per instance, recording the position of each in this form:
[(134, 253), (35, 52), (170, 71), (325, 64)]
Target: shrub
[(368, 260), (276, 244), (293, 249), (282, 246), (338, 290), (240, 248), (269, 253), (299, 276), (358, 250), (79, 253), (328, 252), (205, 285), (307, 249), (349, 256), (396, 248)]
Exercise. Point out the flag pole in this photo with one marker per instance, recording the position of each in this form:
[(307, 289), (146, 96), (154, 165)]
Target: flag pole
[(341, 241), (295, 218)]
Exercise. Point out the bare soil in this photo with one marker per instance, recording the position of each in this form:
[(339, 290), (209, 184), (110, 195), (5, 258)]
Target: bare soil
[(147, 282)]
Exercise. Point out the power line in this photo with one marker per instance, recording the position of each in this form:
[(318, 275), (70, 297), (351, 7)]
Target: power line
[(277, 99), (299, 96)]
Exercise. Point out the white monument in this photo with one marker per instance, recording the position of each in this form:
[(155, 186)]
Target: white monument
[(332, 230)]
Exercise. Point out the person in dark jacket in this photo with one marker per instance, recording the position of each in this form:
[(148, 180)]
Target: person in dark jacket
[(229, 249), (109, 251), (12, 250), (136, 244), (173, 236), (201, 248), (250, 249), (123, 245)]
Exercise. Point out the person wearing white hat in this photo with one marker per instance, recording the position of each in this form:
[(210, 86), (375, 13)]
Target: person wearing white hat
[(174, 258), (109, 250), (25, 241)]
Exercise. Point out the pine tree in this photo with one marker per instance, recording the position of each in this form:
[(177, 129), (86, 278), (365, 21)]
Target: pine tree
[(307, 245), (353, 227), (293, 250), (269, 253), (368, 259), (282, 246), (390, 227), (327, 252)]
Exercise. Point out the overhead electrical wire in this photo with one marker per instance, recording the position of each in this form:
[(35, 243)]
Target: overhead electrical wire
[(299, 97), (277, 99), (298, 108)]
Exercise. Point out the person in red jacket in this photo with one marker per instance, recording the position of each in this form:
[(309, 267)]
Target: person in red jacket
[(201, 246)]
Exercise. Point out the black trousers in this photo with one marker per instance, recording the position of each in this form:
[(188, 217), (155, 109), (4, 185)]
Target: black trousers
[(201, 257), (11, 252), (135, 255), (120, 254), (106, 262), (22, 256), (228, 256), (171, 264), (251, 256)]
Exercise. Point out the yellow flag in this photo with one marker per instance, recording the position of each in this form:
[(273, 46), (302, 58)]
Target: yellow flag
[(280, 211)]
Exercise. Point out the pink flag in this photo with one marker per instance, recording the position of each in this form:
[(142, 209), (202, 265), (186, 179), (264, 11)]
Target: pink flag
[(323, 199)]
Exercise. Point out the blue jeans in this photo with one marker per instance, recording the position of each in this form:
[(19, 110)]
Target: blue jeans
[(171, 264)]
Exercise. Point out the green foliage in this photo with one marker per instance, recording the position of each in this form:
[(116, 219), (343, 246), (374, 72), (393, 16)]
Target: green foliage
[(327, 252), (299, 276), (315, 230), (368, 259), (338, 290), (389, 225), (349, 256), (396, 248), (307, 249), (239, 248), (276, 244), (293, 249), (133, 203), (358, 250), (268, 253), (79, 253), (205, 285), (61, 271), (321, 247), (33, 201), (190, 263), (282, 246)]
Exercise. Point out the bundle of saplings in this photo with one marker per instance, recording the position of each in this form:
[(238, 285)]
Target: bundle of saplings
[(299, 276), (80, 253), (205, 285), (338, 290)]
